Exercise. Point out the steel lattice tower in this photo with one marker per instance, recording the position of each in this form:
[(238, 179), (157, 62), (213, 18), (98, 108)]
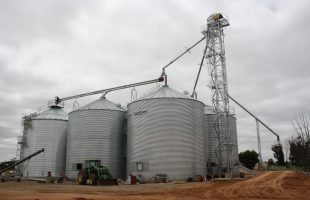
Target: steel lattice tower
[(215, 57)]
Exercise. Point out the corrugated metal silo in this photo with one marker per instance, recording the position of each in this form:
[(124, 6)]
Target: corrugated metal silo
[(212, 140), (47, 130), (165, 135), (234, 149), (96, 133)]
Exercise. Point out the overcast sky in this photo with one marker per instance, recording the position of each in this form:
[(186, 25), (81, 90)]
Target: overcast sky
[(61, 48)]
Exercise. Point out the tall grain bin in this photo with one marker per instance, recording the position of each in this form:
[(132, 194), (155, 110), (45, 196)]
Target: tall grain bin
[(165, 135), (212, 141), (46, 130), (234, 149), (96, 134)]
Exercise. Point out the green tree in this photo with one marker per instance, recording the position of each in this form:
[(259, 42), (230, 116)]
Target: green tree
[(5, 164), (248, 158), (278, 154), (270, 162), (299, 144)]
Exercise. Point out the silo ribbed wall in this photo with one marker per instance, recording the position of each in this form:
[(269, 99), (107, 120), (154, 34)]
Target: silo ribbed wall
[(211, 139), (50, 135), (96, 135), (234, 139), (166, 135), (213, 144)]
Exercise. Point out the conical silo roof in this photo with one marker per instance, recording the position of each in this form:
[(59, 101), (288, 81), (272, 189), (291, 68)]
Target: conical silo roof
[(54, 112), (102, 104), (165, 92)]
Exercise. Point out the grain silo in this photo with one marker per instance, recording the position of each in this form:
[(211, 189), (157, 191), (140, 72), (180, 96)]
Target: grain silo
[(165, 135), (234, 149), (211, 140), (46, 130), (212, 143), (96, 134)]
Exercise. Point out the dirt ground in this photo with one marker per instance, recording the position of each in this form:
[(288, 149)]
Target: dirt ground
[(269, 185)]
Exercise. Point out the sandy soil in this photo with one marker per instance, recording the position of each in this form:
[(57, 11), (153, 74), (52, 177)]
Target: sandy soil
[(269, 185)]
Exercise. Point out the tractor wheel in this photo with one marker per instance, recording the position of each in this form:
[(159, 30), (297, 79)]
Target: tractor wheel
[(93, 179), (82, 177)]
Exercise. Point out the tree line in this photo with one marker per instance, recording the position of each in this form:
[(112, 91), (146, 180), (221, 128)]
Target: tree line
[(296, 148), (299, 144)]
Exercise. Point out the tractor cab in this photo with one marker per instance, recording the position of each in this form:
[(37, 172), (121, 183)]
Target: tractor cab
[(95, 174), (95, 163)]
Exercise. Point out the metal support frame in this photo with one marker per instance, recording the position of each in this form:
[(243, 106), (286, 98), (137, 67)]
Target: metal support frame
[(214, 53), (183, 53), (216, 62), (133, 94), (258, 121), (256, 118), (22, 160), (163, 77), (163, 73), (75, 105), (259, 146), (105, 91), (194, 93)]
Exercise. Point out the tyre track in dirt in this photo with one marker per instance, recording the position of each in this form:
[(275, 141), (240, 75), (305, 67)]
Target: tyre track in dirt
[(266, 186), (269, 185)]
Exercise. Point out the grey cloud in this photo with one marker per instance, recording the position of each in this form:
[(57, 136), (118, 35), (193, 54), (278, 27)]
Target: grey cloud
[(64, 48), (28, 20)]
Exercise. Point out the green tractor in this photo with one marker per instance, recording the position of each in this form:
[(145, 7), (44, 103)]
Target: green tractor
[(96, 174)]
